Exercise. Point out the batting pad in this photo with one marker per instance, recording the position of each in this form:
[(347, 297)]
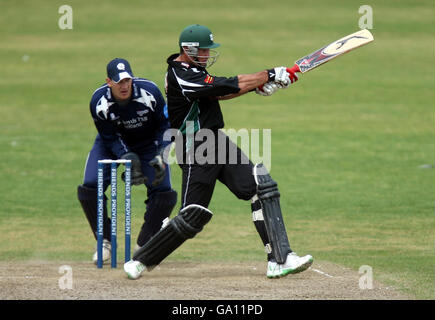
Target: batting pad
[(267, 191), (189, 221)]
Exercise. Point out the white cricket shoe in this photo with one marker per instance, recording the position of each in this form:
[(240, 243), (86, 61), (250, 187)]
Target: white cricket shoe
[(293, 264), (107, 252), (134, 269)]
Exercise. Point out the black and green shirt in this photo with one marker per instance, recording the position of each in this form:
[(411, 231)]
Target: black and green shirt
[(191, 95)]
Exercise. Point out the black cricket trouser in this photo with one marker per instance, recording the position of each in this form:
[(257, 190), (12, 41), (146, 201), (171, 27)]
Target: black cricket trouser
[(199, 180), (233, 169)]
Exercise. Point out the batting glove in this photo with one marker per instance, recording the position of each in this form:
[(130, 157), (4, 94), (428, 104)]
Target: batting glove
[(280, 76), (293, 73), (267, 89)]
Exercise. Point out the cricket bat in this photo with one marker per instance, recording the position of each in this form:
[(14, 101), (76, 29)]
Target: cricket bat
[(333, 50)]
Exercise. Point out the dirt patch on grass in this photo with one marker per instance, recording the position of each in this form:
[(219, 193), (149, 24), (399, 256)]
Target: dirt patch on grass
[(42, 280)]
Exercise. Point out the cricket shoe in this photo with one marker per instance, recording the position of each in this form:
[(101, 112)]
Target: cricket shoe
[(134, 269), (293, 264), (107, 252)]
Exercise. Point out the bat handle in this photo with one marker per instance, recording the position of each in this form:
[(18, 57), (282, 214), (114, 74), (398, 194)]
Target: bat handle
[(293, 69)]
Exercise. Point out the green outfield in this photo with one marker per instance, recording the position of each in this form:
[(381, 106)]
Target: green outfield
[(353, 142)]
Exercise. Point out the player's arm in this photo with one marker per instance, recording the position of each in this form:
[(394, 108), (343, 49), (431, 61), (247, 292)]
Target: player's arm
[(161, 118), (106, 129), (281, 76), (272, 79), (195, 84), (198, 84), (248, 82), (113, 140)]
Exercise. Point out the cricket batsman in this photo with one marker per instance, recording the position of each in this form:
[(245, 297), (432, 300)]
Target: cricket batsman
[(130, 115), (193, 96)]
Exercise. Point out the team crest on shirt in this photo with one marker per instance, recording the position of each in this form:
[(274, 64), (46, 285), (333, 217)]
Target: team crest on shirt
[(102, 108), (209, 79), (147, 99)]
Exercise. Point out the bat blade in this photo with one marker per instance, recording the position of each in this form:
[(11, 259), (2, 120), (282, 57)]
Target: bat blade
[(334, 49)]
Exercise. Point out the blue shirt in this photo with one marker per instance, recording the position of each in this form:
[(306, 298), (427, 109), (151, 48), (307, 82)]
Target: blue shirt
[(132, 127)]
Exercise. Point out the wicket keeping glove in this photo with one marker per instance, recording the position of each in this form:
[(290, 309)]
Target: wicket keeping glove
[(159, 168), (137, 177)]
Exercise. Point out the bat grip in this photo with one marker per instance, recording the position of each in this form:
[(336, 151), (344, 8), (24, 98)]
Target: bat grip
[(293, 69)]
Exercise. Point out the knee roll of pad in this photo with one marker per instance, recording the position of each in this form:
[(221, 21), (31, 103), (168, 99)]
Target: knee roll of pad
[(268, 190), (189, 222)]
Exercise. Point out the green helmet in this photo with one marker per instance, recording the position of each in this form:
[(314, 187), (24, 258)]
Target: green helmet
[(198, 36)]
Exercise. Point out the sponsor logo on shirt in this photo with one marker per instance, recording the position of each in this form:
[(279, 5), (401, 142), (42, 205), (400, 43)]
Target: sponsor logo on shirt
[(142, 112)]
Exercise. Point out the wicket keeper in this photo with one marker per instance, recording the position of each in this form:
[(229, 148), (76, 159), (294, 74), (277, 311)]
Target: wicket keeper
[(130, 115)]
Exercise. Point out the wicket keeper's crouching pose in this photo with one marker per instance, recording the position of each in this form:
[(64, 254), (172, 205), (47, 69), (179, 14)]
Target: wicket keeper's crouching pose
[(129, 114), (193, 106)]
